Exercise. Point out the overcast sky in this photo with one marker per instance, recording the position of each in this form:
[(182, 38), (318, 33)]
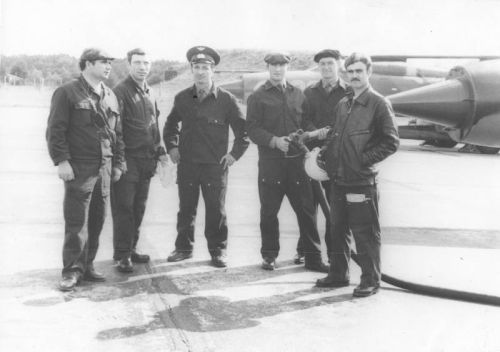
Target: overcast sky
[(167, 28)]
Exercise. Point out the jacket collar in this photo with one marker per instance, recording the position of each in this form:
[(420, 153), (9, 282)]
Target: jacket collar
[(134, 84), (364, 96), (213, 90), (268, 85)]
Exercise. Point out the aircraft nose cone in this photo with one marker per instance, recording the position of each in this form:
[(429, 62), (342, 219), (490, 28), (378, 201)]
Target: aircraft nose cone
[(446, 103)]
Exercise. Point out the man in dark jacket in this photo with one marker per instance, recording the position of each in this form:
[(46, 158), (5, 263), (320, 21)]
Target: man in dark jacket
[(139, 116), (200, 148), (274, 111), (85, 142), (321, 99), (364, 133)]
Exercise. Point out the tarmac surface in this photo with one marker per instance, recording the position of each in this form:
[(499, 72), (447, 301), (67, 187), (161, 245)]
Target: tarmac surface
[(439, 212)]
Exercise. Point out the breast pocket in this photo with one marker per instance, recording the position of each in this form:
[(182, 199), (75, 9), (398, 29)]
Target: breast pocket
[(83, 113)]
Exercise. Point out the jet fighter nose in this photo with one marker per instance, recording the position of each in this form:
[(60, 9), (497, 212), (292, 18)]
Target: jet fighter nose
[(468, 104), (446, 103)]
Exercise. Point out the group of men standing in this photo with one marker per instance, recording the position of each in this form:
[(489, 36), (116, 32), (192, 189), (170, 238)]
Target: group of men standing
[(108, 142)]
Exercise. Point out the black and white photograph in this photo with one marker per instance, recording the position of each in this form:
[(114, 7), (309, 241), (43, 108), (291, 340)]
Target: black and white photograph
[(250, 175)]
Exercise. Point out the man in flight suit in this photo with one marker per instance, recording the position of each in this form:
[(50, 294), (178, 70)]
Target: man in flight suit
[(200, 148), (321, 99), (84, 141), (274, 111), (141, 135), (364, 133)]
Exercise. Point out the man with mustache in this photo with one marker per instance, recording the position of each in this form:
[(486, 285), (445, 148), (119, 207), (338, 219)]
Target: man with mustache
[(141, 134), (84, 141), (321, 99), (200, 148), (274, 111), (364, 133)]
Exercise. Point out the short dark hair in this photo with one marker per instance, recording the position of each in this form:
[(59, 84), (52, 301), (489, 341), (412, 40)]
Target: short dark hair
[(136, 51), (81, 64), (358, 57)]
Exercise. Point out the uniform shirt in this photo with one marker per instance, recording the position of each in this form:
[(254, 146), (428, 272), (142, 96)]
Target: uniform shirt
[(204, 135), (364, 134), (84, 125), (273, 113), (139, 115)]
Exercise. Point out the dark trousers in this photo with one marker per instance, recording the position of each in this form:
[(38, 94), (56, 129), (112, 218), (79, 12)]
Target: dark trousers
[(128, 204), (324, 188), (354, 211), (84, 209), (277, 178), (212, 180)]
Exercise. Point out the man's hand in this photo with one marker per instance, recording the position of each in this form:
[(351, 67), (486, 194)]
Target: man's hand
[(163, 159), (174, 155), (227, 160), (323, 133), (65, 171), (282, 143), (116, 174)]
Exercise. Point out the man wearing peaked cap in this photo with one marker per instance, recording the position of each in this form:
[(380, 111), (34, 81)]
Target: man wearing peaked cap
[(321, 99), (200, 148), (85, 142), (203, 54), (274, 111)]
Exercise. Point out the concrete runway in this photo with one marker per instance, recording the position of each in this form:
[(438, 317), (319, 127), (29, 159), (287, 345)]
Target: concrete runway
[(440, 223)]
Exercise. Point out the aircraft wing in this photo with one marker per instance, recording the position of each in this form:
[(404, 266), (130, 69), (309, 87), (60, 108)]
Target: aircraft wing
[(404, 58)]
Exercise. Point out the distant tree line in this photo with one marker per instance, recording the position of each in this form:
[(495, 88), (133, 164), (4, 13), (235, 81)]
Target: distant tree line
[(58, 69)]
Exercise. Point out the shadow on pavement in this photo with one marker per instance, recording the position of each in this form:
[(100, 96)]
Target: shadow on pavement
[(193, 313)]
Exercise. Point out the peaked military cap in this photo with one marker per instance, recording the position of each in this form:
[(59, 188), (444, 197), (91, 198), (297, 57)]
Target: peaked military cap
[(93, 54), (277, 58), (202, 54), (327, 53)]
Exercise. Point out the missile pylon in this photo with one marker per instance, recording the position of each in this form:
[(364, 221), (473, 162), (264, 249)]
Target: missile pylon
[(468, 103)]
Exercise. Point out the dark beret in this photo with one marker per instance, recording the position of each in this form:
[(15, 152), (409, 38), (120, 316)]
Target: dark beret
[(327, 53), (202, 54), (277, 58)]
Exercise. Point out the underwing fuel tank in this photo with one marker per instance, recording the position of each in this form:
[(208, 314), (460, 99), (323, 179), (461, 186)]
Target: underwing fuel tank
[(467, 103)]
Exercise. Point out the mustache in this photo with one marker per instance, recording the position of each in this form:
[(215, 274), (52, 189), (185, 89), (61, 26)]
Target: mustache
[(354, 79)]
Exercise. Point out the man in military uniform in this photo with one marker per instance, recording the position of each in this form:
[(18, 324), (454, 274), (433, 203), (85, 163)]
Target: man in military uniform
[(200, 148), (321, 99), (364, 133), (274, 111), (85, 142), (141, 135)]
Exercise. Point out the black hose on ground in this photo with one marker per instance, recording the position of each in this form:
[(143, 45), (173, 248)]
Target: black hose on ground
[(438, 291)]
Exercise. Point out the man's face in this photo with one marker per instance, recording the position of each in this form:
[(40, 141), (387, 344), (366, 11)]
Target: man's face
[(358, 75), (99, 69), (328, 68), (140, 65), (277, 72), (202, 73)]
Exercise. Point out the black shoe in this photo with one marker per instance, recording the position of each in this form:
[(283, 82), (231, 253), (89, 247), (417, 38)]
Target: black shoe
[(177, 256), (125, 265), (318, 266), (327, 282), (268, 264), (69, 281), (298, 259), (139, 258), (92, 275), (365, 291), (219, 261)]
